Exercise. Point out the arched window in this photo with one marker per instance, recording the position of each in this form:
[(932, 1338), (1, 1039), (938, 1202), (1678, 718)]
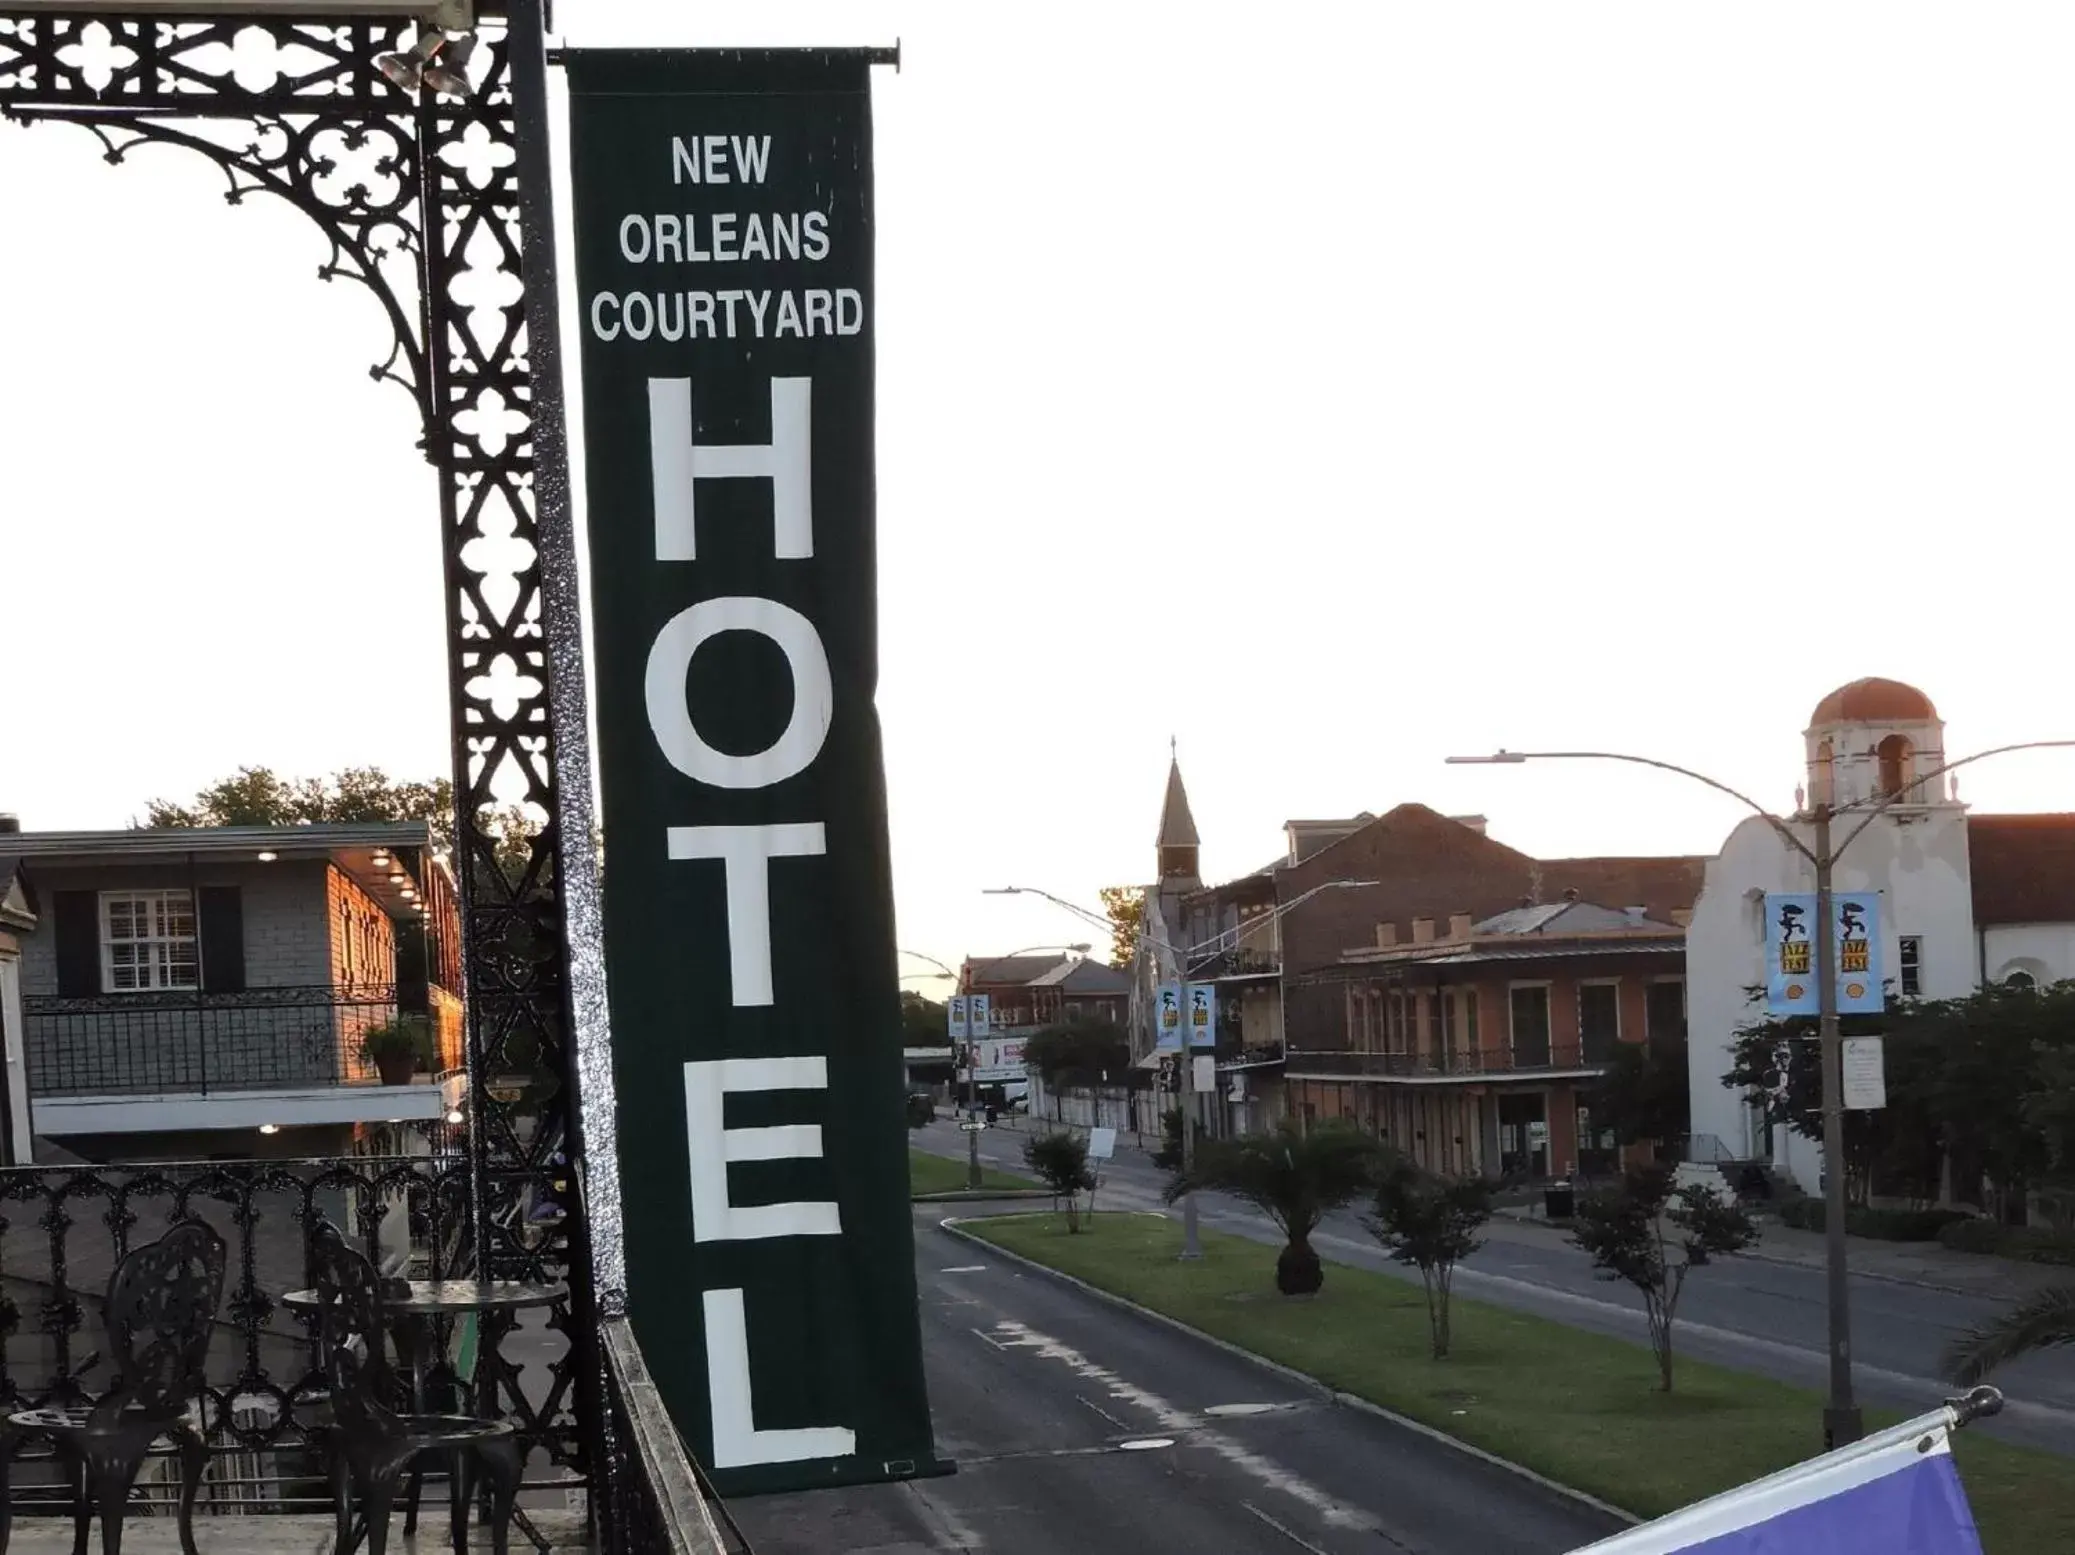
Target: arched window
[(1894, 753), (2024, 982), (1823, 779)]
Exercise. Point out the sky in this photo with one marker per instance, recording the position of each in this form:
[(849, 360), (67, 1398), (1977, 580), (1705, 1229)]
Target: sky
[(1328, 394)]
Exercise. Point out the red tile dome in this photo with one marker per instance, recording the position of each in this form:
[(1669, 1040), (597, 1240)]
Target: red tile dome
[(1874, 701)]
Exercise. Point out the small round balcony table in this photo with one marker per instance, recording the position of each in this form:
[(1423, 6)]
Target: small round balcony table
[(416, 1305)]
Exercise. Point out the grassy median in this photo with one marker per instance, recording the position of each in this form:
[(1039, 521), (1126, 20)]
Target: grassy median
[(940, 1174), (1578, 1407)]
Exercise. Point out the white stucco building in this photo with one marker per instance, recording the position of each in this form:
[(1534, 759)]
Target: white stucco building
[(1967, 899)]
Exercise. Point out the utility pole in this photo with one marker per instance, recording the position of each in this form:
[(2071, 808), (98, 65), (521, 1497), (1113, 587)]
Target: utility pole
[(972, 1103), (1185, 1060), (1843, 1423)]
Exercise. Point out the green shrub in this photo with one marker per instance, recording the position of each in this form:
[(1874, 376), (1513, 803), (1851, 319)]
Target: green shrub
[(2030, 1244), (1880, 1225)]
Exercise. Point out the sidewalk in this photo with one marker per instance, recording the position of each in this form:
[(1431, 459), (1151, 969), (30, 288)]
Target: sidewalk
[(1925, 1264)]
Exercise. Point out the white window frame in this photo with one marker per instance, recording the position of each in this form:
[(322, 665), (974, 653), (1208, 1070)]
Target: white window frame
[(157, 965), (1903, 966)]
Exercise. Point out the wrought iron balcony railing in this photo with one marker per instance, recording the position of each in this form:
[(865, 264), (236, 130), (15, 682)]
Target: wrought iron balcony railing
[(1236, 963), (261, 1039), (1526, 1059), (63, 1229)]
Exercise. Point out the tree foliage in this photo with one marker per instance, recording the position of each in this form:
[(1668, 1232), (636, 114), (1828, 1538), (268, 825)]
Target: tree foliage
[(1968, 1079), (1126, 906), (924, 1022), (1294, 1176), (1652, 1236), (1641, 1095), (1078, 1052), (1059, 1159), (258, 796), (1168, 1155), (1430, 1222)]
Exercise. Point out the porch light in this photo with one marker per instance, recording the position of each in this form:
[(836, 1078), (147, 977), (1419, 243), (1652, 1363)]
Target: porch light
[(454, 1116), (268, 858), (398, 878), (434, 61)]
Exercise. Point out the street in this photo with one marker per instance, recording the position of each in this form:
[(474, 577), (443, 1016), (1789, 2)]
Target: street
[(1080, 1427), (1754, 1316)]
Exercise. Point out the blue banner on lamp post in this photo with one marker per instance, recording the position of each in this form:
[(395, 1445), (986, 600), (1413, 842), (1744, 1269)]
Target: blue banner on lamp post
[(1790, 953)]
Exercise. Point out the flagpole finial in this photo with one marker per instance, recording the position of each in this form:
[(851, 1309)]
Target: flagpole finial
[(1174, 749), (1977, 1405)]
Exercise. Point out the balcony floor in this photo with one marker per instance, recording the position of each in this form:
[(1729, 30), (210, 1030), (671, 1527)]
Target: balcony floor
[(564, 1532)]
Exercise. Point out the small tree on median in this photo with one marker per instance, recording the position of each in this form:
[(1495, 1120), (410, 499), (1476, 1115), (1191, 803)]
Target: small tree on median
[(1430, 1222), (1634, 1232), (1060, 1160), (1294, 1176)]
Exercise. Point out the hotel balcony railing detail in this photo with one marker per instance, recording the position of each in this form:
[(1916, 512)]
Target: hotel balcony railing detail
[(1526, 1059), (152, 1044)]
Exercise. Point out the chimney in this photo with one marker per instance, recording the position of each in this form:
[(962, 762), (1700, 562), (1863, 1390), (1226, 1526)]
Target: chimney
[(1459, 925), (1682, 916), (1386, 935), (1637, 913), (10, 823), (1571, 895), (1476, 823), (1422, 931)]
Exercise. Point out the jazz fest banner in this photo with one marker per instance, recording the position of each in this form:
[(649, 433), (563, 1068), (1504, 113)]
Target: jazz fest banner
[(1791, 947), (724, 265)]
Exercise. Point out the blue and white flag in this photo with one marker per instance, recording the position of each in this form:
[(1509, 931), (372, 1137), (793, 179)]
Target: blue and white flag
[(1895, 1493)]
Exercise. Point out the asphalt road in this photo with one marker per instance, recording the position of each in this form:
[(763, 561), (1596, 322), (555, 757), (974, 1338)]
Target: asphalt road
[(1079, 1427), (1755, 1316)]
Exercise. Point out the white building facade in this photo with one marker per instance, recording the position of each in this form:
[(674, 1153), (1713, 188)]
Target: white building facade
[(1966, 900)]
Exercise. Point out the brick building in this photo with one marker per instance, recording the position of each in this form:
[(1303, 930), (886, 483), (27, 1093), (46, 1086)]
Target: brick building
[(205, 991), (1471, 1045), (1273, 941)]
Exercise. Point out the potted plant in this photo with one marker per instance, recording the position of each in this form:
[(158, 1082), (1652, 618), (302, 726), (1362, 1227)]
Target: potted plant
[(398, 1047)]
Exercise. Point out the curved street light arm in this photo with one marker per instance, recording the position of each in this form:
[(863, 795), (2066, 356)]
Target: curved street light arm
[(1888, 801), (1765, 815)]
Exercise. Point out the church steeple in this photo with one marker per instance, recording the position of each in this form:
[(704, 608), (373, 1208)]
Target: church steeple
[(1178, 840)]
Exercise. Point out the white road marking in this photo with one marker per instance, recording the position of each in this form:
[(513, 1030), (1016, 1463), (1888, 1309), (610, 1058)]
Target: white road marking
[(1145, 1444), (1243, 1409), (966, 1268), (987, 1338), (1335, 1513), (1301, 1543), (1112, 1419)]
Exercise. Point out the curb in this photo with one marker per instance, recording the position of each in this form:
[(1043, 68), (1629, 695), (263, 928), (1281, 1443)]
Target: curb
[(1776, 1259), (952, 1226), (979, 1195)]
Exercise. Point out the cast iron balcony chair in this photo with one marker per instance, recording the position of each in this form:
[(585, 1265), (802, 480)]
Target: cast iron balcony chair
[(369, 1442), (161, 1302)]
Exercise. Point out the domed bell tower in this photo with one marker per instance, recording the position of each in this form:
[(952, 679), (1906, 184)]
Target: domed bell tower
[(1875, 739)]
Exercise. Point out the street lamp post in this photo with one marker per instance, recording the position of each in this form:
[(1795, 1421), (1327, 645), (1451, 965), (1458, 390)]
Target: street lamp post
[(972, 1066), (1192, 1244), (1843, 1422)]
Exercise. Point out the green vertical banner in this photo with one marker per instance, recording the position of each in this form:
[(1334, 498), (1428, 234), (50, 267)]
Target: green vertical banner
[(722, 204)]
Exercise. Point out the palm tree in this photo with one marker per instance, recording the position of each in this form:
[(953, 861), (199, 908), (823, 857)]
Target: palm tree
[(1294, 1176), (2040, 1322)]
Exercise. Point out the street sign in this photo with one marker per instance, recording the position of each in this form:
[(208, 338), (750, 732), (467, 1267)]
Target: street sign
[(1865, 1074), (972, 1126), (1206, 1072), (1102, 1143)]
